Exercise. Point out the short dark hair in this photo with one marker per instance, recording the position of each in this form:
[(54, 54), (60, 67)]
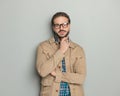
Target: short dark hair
[(58, 14)]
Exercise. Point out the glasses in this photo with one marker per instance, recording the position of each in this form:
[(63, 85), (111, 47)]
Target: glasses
[(64, 25)]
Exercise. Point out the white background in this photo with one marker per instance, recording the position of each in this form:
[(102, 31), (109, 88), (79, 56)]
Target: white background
[(95, 25)]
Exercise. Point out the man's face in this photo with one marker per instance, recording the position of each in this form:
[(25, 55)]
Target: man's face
[(61, 26)]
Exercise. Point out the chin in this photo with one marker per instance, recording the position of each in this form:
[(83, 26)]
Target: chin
[(62, 36)]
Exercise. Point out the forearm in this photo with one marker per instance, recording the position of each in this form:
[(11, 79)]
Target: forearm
[(46, 66), (74, 78)]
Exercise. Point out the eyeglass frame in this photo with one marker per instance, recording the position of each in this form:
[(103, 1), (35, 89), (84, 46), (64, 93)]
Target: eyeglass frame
[(64, 25)]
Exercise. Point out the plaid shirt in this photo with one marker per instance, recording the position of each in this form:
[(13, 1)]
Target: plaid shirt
[(64, 87)]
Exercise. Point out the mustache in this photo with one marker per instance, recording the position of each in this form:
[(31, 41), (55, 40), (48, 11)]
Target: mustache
[(62, 30)]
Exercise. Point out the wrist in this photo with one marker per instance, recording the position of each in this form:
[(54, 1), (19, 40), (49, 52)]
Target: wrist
[(61, 51)]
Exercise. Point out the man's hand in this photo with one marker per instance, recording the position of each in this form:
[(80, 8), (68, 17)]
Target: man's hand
[(64, 44), (53, 73)]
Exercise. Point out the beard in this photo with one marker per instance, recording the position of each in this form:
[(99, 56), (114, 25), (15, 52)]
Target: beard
[(59, 36)]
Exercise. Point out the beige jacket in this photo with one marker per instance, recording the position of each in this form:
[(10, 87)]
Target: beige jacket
[(49, 58)]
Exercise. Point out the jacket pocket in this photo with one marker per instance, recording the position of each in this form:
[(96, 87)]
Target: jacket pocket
[(73, 63), (76, 90), (46, 54)]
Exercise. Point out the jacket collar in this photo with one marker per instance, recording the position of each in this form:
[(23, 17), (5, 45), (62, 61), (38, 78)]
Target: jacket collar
[(52, 40)]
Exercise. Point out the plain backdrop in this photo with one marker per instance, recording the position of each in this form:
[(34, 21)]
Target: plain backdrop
[(95, 25)]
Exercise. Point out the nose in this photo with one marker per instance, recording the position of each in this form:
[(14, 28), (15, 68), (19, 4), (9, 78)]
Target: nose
[(61, 27)]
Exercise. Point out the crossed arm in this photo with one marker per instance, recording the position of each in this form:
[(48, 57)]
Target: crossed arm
[(48, 67)]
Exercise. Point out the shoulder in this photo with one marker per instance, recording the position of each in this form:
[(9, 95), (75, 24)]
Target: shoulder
[(76, 45), (46, 43), (43, 44)]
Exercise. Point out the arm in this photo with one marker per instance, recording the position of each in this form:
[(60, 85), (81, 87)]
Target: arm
[(79, 74), (46, 65)]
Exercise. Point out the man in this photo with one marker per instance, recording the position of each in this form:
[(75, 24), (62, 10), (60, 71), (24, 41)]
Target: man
[(60, 62)]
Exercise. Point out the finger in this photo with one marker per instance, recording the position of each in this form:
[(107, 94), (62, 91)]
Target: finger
[(65, 38)]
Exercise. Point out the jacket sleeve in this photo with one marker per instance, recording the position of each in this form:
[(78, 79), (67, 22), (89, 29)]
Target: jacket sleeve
[(46, 65), (78, 76)]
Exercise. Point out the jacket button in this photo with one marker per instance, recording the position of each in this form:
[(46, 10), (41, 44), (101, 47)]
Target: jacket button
[(59, 66), (56, 90)]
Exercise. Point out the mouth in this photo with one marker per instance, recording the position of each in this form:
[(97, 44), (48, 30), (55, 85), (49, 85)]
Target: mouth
[(62, 32)]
